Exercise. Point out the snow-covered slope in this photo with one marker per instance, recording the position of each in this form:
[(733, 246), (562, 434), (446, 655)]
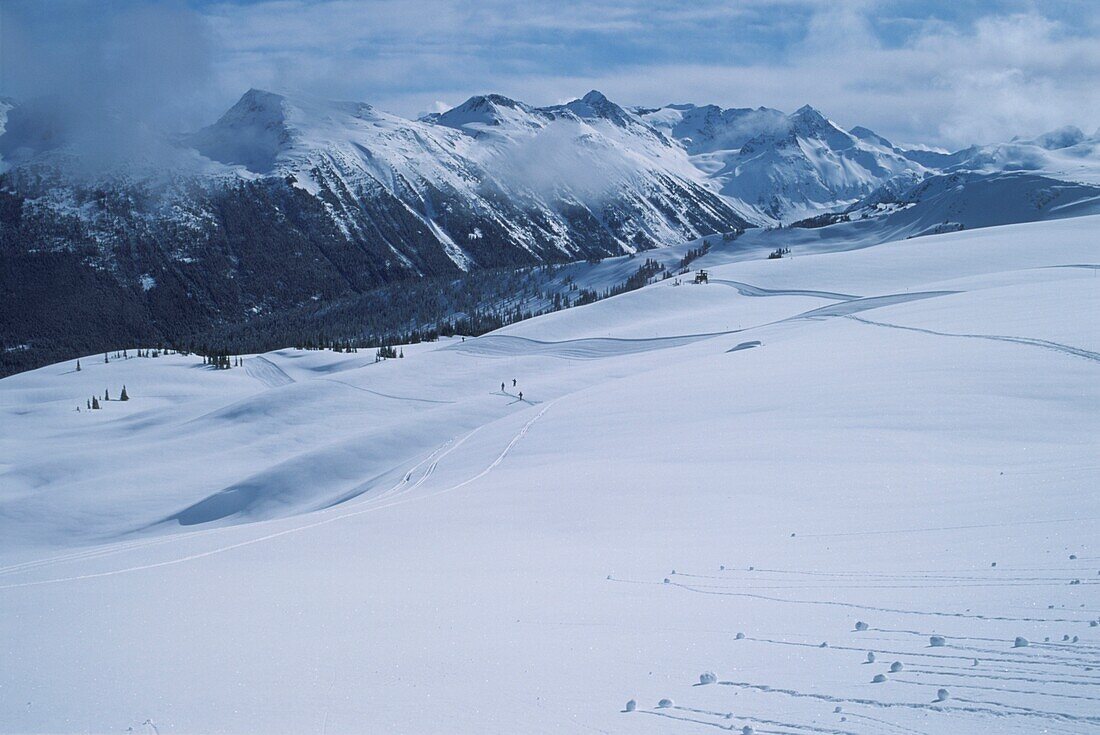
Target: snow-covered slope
[(585, 173), (810, 459), (943, 203), (785, 167), (1065, 153)]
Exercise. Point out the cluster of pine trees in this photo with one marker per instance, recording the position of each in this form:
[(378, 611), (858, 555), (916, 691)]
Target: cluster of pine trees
[(692, 255), (386, 352), (223, 361), (93, 402)]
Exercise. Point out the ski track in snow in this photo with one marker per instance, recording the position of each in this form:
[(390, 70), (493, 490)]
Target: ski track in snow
[(997, 709), (1038, 673), (385, 395), (854, 306), (1031, 342), (835, 603), (1043, 679), (267, 372), (593, 348), (747, 289), (299, 528)]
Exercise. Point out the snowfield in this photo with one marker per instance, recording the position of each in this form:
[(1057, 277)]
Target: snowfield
[(725, 496)]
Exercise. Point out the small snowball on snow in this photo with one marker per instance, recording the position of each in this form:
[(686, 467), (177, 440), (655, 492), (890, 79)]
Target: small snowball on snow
[(1073, 556), (870, 657), (1075, 639), (1093, 623), (707, 677), (837, 709), (722, 568), (942, 695), (1065, 637), (975, 662), (1021, 642), (747, 730), (860, 625), (667, 580), (879, 678), (740, 636), (937, 641), (993, 564), (631, 706), (824, 644), (665, 703), (896, 667)]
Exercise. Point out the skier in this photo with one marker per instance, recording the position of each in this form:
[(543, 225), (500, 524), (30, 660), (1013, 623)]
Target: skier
[(513, 382), (521, 395), (502, 387)]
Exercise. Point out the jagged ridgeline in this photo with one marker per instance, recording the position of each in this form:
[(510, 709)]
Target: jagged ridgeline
[(285, 205), (291, 218)]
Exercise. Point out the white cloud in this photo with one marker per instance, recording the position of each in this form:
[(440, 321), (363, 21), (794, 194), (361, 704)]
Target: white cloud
[(974, 79)]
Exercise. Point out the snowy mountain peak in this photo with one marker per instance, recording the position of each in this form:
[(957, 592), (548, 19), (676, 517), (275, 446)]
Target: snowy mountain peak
[(595, 97), (870, 136), (808, 122), (251, 133), (595, 105), (484, 110), (255, 102)]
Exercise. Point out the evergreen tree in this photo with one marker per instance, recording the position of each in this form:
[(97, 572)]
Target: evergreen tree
[(105, 357), (78, 366), (95, 403), (106, 395), (89, 405), (124, 397)]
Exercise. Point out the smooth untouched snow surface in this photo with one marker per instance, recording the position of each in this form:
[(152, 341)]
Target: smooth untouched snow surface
[(403, 547)]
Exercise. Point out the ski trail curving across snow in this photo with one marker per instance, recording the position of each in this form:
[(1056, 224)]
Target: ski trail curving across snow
[(747, 289), (591, 348), (1030, 341), (120, 547), (854, 306), (296, 529)]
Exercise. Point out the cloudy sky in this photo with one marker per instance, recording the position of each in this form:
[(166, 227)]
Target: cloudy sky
[(942, 72)]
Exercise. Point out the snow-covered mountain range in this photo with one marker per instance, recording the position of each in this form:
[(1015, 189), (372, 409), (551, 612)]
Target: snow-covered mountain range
[(286, 200), (788, 167)]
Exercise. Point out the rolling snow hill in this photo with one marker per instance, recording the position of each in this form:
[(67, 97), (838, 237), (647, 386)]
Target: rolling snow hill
[(847, 493)]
